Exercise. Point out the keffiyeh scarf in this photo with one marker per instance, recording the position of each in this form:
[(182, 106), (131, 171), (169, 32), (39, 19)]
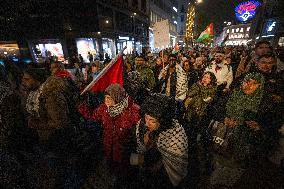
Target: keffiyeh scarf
[(173, 146), (32, 104), (118, 108)]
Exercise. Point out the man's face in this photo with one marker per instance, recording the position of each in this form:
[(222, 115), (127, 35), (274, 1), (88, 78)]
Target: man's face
[(172, 60), (262, 49), (139, 61), (29, 83), (266, 65), (250, 86), (186, 66), (219, 58)]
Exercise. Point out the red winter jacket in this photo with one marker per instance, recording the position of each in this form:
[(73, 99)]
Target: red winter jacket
[(116, 130)]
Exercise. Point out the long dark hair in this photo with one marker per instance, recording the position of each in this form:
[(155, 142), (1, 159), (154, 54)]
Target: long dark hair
[(213, 82)]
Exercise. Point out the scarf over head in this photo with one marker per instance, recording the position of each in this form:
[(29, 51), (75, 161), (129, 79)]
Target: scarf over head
[(239, 104), (118, 94)]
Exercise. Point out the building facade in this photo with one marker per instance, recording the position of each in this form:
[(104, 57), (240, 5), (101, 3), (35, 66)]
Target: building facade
[(182, 12), (237, 34), (269, 24), (44, 28)]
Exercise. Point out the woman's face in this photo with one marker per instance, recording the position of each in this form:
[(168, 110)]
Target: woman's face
[(109, 101), (94, 69), (151, 123), (158, 62), (250, 86), (206, 79)]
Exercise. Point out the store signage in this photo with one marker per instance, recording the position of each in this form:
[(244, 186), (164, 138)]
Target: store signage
[(246, 11), (123, 38), (270, 27)]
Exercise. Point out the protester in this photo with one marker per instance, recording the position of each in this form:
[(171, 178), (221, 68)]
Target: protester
[(118, 114), (161, 145)]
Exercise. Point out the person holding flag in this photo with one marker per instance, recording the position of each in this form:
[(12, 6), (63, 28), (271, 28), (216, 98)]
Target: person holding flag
[(118, 114)]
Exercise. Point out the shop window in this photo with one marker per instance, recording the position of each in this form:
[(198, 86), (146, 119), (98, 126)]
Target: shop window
[(182, 18)]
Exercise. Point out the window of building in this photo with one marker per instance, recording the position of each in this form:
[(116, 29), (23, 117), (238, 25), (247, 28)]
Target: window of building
[(182, 18), (135, 3), (143, 5), (228, 31), (237, 29), (182, 9), (125, 2), (242, 30), (248, 28), (233, 30)]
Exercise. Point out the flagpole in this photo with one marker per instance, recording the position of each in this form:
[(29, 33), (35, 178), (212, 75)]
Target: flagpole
[(103, 71), (163, 58)]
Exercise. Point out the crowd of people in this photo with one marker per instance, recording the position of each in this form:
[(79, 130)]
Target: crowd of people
[(207, 117)]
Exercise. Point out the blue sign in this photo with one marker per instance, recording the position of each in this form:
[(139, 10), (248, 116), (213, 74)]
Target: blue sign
[(246, 11), (270, 28)]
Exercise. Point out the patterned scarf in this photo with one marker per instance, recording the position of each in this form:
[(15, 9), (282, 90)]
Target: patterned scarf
[(118, 108), (173, 146), (33, 99)]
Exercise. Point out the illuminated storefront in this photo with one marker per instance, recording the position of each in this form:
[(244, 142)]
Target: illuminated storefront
[(108, 47), (236, 34), (127, 42), (9, 49), (47, 49), (85, 45)]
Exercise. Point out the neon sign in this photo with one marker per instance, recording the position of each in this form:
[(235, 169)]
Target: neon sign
[(246, 11)]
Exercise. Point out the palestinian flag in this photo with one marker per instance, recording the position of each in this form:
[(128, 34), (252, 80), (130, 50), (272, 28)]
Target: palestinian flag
[(206, 35), (111, 74)]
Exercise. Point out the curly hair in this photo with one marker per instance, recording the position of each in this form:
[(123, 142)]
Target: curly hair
[(160, 107), (213, 82)]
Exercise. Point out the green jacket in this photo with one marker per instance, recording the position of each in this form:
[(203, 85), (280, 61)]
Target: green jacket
[(198, 98), (147, 77)]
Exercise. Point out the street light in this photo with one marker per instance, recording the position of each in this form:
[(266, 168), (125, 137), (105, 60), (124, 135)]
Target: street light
[(199, 1), (107, 21)]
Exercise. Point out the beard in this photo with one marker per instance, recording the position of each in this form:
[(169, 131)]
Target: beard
[(218, 61)]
